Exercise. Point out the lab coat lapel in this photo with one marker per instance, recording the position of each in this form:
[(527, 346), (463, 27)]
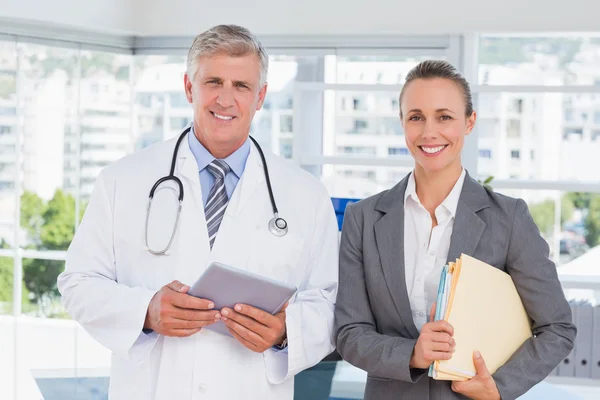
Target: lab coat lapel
[(193, 233), (251, 180), (241, 198)]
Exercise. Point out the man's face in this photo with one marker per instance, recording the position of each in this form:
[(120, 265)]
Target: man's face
[(225, 93)]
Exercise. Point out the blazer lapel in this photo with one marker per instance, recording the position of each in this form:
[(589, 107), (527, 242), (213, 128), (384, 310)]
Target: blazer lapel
[(389, 235), (468, 226)]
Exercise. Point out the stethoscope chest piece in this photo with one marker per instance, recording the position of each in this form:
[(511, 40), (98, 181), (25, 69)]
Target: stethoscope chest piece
[(278, 226)]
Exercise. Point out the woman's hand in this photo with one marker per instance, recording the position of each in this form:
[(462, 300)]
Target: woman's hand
[(434, 343), (482, 386)]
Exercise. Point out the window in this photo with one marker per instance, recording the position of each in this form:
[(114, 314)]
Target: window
[(178, 100), (179, 123), (531, 60), (398, 151), (569, 115), (380, 69), (560, 150), (8, 111), (285, 150), (573, 133), (485, 153), (359, 104), (286, 123), (566, 154), (516, 106), (356, 181), (359, 126), (370, 151), (513, 128)]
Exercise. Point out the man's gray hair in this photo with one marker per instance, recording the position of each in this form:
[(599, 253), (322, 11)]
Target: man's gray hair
[(231, 40)]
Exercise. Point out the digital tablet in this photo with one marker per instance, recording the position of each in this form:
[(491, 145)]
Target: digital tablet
[(226, 286)]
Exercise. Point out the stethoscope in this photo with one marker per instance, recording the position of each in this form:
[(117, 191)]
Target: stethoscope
[(277, 225)]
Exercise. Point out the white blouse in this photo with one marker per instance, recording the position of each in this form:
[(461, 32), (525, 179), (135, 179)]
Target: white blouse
[(426, 249)]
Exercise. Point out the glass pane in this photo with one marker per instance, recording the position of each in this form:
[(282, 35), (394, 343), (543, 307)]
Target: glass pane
[(7, 344), (373, 69), (545, 136), (580, 228), (580, 240), (568, 59), (43, 346), (360, 181), (161, 109), (541, 205), (8, 140), (40, 293), (273, 126), (6, 286), (50, 102), (105, 115), (363, 123)]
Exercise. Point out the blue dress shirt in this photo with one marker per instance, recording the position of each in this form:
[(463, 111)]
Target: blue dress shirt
[(236, 161)]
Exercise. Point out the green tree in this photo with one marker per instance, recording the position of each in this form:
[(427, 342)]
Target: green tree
[(50, 226), (580, 200), (543, 214), (6, 276), (6, 283), (592, 222)]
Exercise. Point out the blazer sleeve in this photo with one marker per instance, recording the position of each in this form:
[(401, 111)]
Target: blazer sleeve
[(536, 280), (357, 339)]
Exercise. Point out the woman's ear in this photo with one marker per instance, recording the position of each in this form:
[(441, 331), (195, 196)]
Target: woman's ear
[(471, 123)]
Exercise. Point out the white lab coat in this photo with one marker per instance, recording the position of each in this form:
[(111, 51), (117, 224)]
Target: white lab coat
[(110, 278)]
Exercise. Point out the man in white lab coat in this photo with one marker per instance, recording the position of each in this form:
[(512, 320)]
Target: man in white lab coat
[(136, 303)]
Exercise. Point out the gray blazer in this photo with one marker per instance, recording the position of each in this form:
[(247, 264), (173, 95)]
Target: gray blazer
[(373, 320)]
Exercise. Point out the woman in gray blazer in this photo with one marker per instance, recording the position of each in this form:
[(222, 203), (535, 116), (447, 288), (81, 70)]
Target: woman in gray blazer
[(394, 245)]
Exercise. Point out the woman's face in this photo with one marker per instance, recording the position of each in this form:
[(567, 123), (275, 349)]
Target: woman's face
[(434, 121)]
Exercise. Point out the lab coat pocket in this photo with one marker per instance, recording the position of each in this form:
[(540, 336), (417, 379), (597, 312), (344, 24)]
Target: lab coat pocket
[(279, 258)]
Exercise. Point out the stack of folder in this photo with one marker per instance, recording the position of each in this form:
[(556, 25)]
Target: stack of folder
[(487, 314)]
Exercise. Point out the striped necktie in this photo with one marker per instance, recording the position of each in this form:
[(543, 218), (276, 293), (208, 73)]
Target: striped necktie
[(217, 199)]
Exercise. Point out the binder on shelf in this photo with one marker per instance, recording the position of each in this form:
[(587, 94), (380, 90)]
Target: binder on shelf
[(583, 342), (567, 366), (595, 367)]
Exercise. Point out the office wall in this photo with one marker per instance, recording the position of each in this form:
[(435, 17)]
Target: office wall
[(106, 16), (187, 17), (298, 17)]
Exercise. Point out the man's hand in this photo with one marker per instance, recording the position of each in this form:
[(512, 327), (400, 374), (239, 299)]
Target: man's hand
[(172, 312), (482, 386), (435, 342), (256, 329)]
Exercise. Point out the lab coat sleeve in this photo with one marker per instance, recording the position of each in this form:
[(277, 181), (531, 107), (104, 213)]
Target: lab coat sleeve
[(110, 312), (309, 318)]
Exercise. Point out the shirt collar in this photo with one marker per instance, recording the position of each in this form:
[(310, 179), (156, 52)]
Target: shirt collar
[(236, 160), (450, 203)]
